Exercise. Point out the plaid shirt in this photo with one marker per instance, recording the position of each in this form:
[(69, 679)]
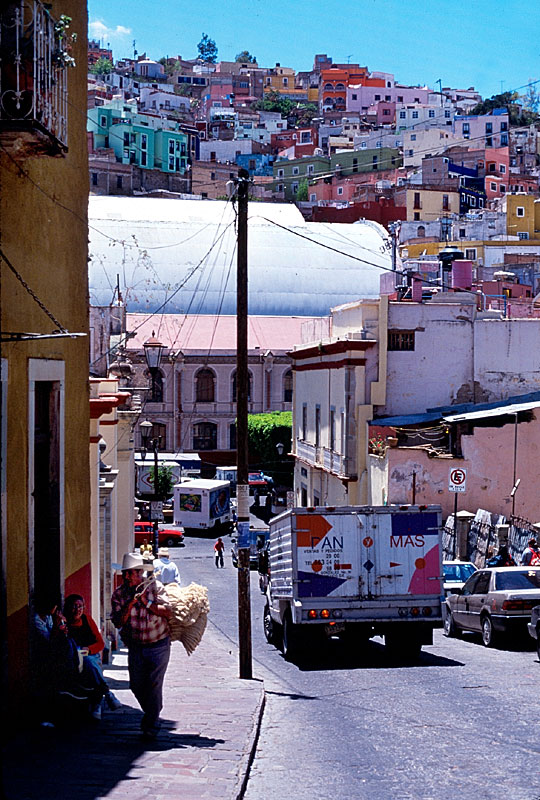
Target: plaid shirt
[(142, 625)]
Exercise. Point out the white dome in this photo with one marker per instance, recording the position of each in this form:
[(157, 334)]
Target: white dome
[(179, 256)]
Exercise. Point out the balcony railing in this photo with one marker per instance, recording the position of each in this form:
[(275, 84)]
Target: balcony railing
[(34, 60)]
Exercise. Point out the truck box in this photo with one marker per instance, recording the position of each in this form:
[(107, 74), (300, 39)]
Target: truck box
[(357, 572), (203, 505)]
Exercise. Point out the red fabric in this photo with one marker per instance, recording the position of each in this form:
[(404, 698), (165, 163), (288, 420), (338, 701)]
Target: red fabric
[(99, 643)]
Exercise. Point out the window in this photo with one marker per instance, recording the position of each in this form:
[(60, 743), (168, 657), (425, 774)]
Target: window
[(377, 97), (431, 113), (294, 188), (280, 173), (401, 340), (466, 128), (232, 436), (489, 127), (388, 98), (313, 198), (489, 141), (502, 188), (520, 211), (205, 386), (118, 181), (502, 169), (233, 386), (386, 112), (205, 436), (413, 137), (144, 141), (417, 203), (470, 254), (402, 114), (340, 190), (416, 216), (375, 162), (332, 431), (288, 386), (523, 235), (420, 231), (279, 187), (304, 422), (144, 158), (493, 187), (491, 167), (355, 97), (317, 426), (156, 395), (415, 114), (447, 115), (504, 140), (445, 202), (363, 146), (462, 233), (94, 179), (310, 169), (295, 170), (103, 121), (400, 98)]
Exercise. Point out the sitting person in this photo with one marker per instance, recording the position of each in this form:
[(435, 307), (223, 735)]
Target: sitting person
[(85, 633), (502, 559), (58, 670)]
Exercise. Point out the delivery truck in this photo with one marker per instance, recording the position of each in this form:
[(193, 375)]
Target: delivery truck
[(354, 572), (203, 505)]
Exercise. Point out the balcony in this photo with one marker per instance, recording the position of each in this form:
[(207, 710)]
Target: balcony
[(34, 58)]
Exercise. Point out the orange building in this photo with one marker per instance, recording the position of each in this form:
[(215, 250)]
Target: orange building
[(336, 79)]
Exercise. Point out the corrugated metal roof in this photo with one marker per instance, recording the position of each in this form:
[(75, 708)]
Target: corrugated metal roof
[(156, 246)]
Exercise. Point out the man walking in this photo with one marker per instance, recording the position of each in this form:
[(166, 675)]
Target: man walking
[(531, 555), (219, 547), (140, 611), (165, 569)]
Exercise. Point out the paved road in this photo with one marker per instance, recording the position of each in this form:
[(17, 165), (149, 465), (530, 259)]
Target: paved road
[(462, 723)]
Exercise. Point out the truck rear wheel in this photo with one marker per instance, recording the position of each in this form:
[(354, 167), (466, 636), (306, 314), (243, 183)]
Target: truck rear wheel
[(291, 637), (268, 624)]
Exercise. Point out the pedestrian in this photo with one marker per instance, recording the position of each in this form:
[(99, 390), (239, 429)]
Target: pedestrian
[(502, 559), (219, 547), (141, 612), (531, 555), (165, 569)]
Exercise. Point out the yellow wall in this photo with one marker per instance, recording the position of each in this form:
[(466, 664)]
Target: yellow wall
[(431, 204), (530, 221), (47, 245)]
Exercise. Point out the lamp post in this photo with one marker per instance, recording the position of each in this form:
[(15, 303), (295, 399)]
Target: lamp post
[(153, 351), (146, 429)]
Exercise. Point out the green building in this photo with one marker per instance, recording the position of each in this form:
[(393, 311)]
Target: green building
[(350, 162), (288, 175)]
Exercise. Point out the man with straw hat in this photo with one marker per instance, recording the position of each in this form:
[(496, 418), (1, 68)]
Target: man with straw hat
[(141, 612)]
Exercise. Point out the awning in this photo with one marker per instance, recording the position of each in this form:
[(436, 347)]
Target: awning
[(500, 411)]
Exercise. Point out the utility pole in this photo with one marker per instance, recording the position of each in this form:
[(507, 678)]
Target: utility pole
[(242, 391)]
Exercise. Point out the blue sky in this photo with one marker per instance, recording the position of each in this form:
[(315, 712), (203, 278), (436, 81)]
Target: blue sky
[(478, 43)]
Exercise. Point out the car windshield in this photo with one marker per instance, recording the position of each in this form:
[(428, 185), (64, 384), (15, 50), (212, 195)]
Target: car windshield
[(457, 573), (518, 579)]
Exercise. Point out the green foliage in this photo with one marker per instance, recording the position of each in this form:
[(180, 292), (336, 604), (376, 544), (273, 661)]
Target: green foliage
[(510, 101), (169, 67), (265, 431), (207, 49), (245, 57), (102, 67), (165, 481), (273, 101), (302, 193)]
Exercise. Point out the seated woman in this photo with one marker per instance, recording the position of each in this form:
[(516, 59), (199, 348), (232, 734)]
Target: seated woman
[(84, 631)]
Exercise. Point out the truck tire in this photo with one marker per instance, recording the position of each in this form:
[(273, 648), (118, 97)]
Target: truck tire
[(291, 637), (268, 625)]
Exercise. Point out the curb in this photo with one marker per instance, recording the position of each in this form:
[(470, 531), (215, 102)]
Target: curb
[(250, 756)]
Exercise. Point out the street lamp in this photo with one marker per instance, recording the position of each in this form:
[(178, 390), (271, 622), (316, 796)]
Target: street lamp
[(153, 351), (146, 429)]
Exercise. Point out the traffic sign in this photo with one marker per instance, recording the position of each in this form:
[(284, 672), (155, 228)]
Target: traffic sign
[(156, 510), (457, 480)]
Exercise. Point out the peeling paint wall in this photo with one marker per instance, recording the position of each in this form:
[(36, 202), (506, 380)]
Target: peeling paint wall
[(489, 461)]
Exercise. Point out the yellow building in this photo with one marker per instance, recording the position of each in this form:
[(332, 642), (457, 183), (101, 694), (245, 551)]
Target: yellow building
[(427, 204), (44, 445), (282, 80), (523, 216)]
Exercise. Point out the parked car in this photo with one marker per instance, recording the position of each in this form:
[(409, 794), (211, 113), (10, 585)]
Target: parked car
[(168, 537), (455, 575), (494, 601), (534, 627)]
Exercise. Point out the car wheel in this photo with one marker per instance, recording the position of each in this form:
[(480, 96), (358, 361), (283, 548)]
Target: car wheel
[(291, 637), (170, 542), (449, 626), (487, 632), (268, 624)]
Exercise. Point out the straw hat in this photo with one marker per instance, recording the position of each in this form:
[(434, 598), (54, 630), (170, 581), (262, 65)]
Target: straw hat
[(135, 561), (163, 551)]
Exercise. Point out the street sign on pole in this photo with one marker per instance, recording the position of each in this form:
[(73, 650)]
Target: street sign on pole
[(457, 480)]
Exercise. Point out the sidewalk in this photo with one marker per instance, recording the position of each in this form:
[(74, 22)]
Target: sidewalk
[(210, 721)]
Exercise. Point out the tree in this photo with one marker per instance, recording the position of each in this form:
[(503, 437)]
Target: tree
[(265, 431), (302, 193), (245, 57), (207, 49), (273, 101), (165, 481), (102, 67)]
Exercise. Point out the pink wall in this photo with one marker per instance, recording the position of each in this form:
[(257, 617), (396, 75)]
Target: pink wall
[(488, 459), (365, 95)]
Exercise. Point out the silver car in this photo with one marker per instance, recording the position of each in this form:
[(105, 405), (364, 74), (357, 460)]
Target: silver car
[(494, 601)]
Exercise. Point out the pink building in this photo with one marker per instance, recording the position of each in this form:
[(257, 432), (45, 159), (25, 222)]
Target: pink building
[(497, 168), (361, 98), (490, 130)]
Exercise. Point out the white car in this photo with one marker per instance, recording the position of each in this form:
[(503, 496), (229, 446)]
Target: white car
[(455, 575)]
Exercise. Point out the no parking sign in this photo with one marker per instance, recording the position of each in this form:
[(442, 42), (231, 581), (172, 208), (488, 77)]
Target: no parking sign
[(457, 480)]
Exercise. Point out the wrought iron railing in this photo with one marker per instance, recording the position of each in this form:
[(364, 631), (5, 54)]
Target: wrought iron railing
[(34, 59)]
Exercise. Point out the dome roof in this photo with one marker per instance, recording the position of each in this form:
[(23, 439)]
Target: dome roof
[(179, 256)]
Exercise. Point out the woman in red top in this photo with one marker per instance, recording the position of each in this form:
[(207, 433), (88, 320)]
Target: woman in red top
[(86, 634)]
